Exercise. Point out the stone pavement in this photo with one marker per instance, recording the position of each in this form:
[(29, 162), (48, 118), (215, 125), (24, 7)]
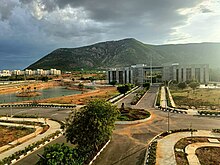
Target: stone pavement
[(165, 148), (53, 127)]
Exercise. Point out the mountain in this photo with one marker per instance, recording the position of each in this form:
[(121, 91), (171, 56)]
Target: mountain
[(127, 52)]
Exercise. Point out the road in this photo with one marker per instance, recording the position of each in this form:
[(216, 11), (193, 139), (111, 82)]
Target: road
[(33, 158), (128, 144), (55, 113)]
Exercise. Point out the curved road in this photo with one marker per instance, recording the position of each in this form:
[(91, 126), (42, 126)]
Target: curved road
[(128, 144)]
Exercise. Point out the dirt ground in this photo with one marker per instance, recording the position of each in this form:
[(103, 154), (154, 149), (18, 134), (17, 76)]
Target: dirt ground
[(9, 134), (197, 98), (18, 87), (83, 98), (208, 155)]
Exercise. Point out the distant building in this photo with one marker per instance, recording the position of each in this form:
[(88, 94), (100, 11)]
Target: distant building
[(30, 72), (5, 73), (141, 73)]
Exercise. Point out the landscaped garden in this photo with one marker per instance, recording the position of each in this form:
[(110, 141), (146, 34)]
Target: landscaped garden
[(129, 114), (9, 134), (140, 93)]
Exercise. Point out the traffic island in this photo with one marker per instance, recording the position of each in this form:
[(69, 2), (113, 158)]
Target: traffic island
[(133, 116)]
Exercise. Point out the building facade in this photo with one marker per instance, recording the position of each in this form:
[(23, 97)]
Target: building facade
[(140, 73), (30, 72)]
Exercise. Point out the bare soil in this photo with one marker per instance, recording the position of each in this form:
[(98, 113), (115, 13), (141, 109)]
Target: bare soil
[(208, 155), (18, 87), (9, 134), (83, 98), (181, 157), (197, 98)]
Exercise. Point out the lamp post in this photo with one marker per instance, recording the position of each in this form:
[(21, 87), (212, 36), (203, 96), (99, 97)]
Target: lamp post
[(168, 117)]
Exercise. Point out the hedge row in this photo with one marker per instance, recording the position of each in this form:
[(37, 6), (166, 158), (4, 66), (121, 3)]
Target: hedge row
[(31, 147)]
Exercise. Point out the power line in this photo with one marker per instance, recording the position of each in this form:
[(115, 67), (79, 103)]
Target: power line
[(128, 155)]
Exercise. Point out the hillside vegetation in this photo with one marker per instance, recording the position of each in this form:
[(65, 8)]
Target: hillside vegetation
[(127, 52)]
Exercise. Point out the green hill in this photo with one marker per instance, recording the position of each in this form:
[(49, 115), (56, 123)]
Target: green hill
[(127, 52)]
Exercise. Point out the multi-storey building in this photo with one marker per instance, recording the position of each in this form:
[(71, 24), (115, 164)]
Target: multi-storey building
[(139, 74), (30, 72)]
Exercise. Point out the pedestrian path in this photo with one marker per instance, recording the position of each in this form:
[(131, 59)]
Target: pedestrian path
[(165, 154), (53, 127), (191, 151), (163, 101)]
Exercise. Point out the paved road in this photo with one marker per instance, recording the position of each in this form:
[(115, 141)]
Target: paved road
[(55, 113), (127, 100), (33, 158), (129, 142)]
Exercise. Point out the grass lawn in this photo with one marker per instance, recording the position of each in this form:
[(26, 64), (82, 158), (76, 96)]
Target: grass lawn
[(197, 98), (9, 134), (133, 114), (208, 155)]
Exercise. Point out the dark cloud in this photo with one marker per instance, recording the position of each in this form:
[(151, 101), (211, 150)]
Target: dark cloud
[(206, 10), (6, 7), (36, 27)]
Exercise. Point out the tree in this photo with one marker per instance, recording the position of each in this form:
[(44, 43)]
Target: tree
[(60, 154), (123, 88), (194, 85), (182, 85), (92, 126), (146, 85)]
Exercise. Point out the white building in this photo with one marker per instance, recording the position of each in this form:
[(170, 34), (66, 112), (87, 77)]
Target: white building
[(30, 72), (5, 73), (139, 74)]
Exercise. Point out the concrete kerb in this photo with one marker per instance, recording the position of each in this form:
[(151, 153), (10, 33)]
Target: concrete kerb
[(133, 122), (90, 163), (36, 148), (155, 101), (148, 146), (171, 98), (46, 105), (31, 141), (134, 89), (170, 109), (22, 139), (142, 97), (190, 150)]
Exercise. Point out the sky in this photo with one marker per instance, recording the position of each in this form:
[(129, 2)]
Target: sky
[(30, 29)]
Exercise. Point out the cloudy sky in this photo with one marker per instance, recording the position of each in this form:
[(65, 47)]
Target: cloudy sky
[(30, 29)]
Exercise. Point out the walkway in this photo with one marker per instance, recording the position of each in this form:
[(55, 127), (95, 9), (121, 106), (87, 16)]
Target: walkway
[(165, 154), (53, 127), (191, 151), (163, 98)]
